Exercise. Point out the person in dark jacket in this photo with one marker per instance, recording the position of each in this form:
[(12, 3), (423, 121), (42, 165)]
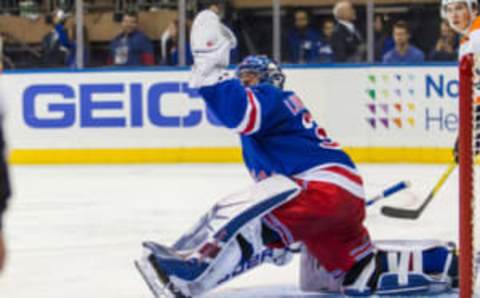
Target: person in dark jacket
[(4, 195), (347, 43), (383, 40), (324, 47), (446, 46), (302, 40), (54, 50)]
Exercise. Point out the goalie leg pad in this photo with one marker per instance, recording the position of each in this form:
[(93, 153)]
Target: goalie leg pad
[(432, 257), (405, 267), (228, 216), (315, 278), (178, 276), (226, 237)]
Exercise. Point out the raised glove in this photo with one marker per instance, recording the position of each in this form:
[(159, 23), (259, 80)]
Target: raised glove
[(211, 42)]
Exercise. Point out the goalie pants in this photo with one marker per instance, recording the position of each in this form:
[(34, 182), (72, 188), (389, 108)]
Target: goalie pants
[(328, 220)]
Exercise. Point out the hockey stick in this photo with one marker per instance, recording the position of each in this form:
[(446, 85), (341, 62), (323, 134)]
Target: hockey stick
[(415, 213), (389, 191)]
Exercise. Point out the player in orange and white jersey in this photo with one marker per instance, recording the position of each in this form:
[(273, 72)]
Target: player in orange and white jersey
[(462, 16)]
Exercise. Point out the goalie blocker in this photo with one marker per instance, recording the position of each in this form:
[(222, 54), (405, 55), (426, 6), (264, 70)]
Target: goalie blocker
[(231, 239)]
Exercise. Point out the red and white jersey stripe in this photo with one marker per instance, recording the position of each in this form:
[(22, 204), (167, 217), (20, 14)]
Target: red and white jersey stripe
[(252, 119), (338, 174)]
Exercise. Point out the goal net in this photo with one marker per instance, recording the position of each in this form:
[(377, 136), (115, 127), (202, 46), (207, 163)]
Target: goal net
[(468, 138)]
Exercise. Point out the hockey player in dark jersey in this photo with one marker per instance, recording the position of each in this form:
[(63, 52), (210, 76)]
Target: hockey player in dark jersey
[(308, 193), (4, 194)]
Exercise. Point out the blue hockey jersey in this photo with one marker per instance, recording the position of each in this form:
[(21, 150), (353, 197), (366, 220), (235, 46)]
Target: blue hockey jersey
[(278, 134)]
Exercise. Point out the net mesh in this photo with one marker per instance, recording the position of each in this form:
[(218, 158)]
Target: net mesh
[(476, 174)]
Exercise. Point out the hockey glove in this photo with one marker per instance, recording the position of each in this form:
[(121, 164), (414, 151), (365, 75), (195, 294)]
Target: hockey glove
[(211, 42)]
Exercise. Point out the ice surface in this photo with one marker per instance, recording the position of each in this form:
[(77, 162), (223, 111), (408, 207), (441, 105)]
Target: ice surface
[(74, 231)]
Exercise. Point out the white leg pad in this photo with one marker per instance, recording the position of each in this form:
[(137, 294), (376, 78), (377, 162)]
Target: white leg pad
[(314, 277)]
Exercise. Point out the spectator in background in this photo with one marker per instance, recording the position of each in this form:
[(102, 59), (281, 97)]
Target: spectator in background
[(383, 41), (170, 45), (302, 40), (327, 29), (131, 47), (72, 54), (324, 47), (54, 51), (347, 43), (5, 61), (445, 48), (403, 52), (1, 52)]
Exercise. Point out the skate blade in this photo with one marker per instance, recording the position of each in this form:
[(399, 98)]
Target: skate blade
[(149, 275)]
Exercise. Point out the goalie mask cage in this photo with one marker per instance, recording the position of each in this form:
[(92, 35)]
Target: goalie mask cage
[(469, 112)]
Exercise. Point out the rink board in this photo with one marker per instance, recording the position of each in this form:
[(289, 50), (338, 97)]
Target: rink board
[(377, 113)]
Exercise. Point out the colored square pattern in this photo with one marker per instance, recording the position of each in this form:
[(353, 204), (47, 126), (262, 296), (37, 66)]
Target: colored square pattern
[(390, 101)]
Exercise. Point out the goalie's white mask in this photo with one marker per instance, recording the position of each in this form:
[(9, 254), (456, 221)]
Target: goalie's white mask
[(459, 13)]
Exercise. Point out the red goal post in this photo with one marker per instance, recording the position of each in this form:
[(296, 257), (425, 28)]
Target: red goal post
[(468, 98)]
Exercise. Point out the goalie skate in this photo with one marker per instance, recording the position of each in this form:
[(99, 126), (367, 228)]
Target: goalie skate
[(159, 283)]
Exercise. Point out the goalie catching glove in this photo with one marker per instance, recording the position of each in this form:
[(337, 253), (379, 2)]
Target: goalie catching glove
[(211, 43)]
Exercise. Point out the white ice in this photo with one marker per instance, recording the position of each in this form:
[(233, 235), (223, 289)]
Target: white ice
[(74, 231)]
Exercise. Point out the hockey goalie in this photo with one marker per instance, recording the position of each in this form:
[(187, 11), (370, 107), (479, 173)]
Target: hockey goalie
[(307, 198)]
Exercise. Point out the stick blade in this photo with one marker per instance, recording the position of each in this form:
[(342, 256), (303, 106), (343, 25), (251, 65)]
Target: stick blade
[(400, 212)]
